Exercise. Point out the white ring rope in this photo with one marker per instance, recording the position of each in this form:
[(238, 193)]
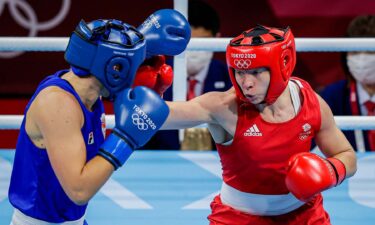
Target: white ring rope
[(13, 122), (202, 44)]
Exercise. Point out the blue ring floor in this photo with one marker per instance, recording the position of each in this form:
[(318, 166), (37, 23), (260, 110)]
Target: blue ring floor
[(174, 187)]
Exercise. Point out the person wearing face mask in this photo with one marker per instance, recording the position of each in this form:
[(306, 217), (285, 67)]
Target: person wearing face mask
[(205, 74), (356, 94)]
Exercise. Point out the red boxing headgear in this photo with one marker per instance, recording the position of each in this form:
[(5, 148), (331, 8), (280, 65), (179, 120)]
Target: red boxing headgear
[(261, 46)]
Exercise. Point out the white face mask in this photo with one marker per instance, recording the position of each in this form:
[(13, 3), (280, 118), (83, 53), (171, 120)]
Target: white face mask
[(362, 67), (197, 60)]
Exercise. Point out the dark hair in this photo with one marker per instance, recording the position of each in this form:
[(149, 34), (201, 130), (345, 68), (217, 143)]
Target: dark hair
[(362, 26), (201, 14)]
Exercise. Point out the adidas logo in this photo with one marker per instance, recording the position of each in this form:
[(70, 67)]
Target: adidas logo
[(252, 131)]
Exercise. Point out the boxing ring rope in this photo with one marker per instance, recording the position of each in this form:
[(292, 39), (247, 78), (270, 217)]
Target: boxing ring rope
[(13, 122), (197, 44), (200, 44)]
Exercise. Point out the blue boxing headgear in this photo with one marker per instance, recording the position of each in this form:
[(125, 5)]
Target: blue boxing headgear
[(108, 49)]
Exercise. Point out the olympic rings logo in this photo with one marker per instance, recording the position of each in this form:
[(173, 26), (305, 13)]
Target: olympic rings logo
[(139, 122), (25, 16), (242, 63)]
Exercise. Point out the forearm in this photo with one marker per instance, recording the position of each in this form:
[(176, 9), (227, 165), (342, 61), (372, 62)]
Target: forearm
[(338, 148), (88, 180), (332, 141), (349, 159)]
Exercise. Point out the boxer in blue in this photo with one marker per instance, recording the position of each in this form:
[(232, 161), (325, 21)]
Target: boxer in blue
[(62, 156)]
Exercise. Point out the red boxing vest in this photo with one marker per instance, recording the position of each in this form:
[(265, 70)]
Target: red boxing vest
[(256, 160)]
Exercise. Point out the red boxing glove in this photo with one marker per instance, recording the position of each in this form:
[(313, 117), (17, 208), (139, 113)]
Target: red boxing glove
[(154, 74), (309, 174)]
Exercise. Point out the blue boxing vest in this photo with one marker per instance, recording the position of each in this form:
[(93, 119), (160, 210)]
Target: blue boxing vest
[(34, 188)]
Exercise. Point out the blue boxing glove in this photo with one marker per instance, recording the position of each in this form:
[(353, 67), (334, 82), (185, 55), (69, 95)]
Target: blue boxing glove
[(139, 113), (167, 32)]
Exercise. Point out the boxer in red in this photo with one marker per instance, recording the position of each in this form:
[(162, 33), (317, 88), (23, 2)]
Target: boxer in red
[(263, 128)]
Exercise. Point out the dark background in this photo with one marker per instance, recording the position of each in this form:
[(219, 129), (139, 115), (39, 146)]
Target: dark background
[(319, 18)]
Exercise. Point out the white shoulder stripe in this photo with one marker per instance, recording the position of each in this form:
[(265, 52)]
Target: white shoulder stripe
[(294, 94), (298, 83)]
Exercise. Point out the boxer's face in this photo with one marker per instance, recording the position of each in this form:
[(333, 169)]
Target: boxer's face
[(253, 83)]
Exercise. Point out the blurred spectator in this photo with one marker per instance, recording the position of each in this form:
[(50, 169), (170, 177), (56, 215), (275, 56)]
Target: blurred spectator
[(205, 74), (355, 95)]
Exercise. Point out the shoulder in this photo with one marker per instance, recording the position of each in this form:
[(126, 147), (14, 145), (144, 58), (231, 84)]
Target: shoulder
[(324, 107), (327, 119), (54, 95), (220, 97), (228, 97), (219, 103), (54, 102)]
